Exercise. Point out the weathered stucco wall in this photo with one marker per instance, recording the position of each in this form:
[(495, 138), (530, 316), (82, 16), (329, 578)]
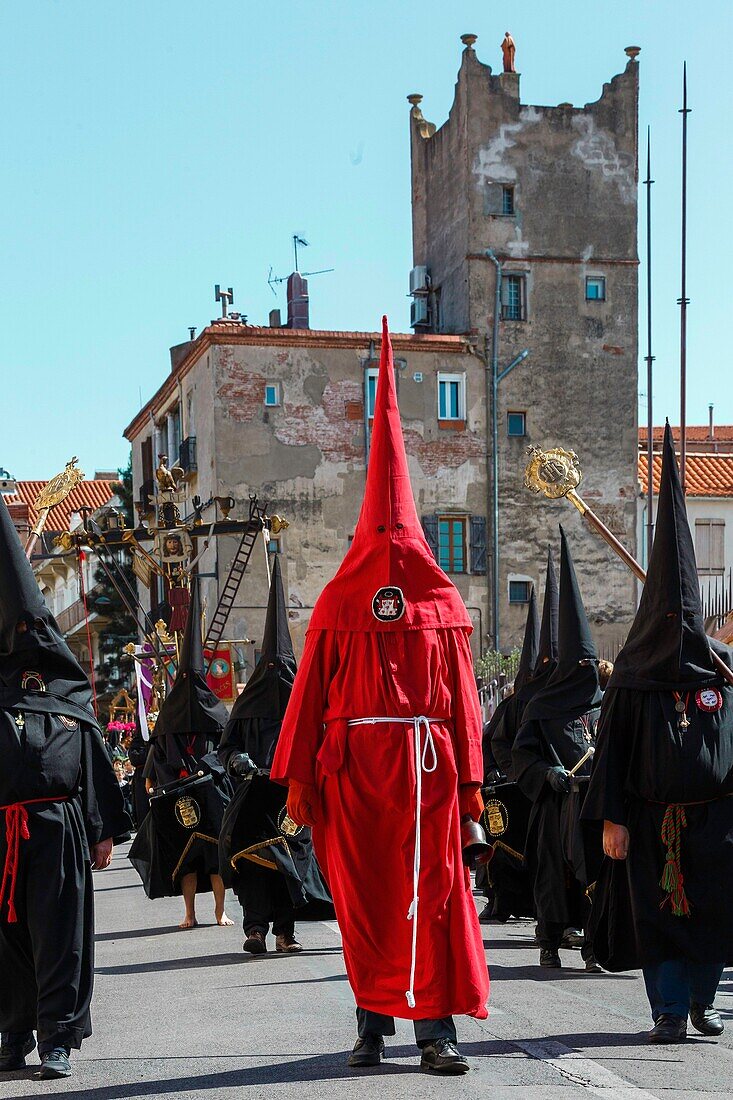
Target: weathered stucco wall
[(574, 174), (306, 458)]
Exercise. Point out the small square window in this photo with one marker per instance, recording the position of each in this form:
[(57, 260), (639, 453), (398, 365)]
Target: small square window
[(595, 288), (507, 200), (516, 423), (451, 397), (272, 394), (519, 591), (273, 545)]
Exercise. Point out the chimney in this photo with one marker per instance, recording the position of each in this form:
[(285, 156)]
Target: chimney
[(275, 319), (711, 427), (297, 301)]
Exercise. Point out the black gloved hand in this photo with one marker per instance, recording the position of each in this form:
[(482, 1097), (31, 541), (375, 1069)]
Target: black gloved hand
[(559, 779), (241, 765)]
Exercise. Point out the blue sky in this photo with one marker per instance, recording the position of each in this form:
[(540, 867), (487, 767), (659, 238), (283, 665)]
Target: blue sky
[(151, 150)]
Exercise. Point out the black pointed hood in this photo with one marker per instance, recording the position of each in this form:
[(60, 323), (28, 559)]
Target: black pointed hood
[(38, 671), (547, 646), (546, 657), (667, 648), (530, 645), (267, 691), (573, 688), (191, 706)]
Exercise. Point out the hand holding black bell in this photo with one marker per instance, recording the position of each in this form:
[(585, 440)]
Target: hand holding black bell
[(242, 765), (559, 779)]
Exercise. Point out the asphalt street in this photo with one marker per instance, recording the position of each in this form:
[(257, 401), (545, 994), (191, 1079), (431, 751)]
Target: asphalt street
[(187, 1014)]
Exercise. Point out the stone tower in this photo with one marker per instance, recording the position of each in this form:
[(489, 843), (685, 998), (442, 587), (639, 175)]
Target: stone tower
[(551, 192)]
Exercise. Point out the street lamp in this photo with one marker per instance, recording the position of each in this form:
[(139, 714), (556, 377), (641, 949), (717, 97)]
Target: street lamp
[(495, 377)]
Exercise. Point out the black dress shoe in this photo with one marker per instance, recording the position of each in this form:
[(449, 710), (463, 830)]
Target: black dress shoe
[(592, 967), (443, 1056), (669, 1029), (706, 1019), (55, 1063), (550, 959), (366, 1052), (15, 1047), (255, 943)]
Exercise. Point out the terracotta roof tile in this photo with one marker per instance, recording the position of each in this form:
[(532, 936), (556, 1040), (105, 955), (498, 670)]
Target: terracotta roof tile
[(87, 494), (698, 433), (708, 475)]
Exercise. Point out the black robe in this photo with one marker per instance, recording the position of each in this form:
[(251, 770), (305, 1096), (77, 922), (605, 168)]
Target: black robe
[(51, 750), (251, 836), (180, 835), (644, 764), (554, 849), (46, 978), (654, 771), (558, 728)]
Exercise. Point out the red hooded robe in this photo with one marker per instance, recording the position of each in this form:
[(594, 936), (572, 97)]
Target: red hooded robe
[(389, 639)]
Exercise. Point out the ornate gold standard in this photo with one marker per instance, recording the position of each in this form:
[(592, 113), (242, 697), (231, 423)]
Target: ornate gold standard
[(56, 490), (556, 473)]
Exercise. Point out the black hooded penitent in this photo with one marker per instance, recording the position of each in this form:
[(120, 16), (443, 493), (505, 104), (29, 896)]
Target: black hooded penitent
[(663, 771), (37, 668), (187, 731), (667, 648), (60, 796), (539, 648), (572, 688), (251, 844), (267, 691)]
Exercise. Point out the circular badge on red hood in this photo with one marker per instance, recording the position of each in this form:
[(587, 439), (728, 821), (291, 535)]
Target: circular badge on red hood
[(388, 605)]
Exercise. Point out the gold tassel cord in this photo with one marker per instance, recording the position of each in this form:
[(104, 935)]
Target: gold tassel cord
[(673, 881)]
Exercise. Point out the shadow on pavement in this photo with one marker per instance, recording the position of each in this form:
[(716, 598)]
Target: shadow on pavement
[(325, 1067), (197, 962), (135, 933), (536, 973)]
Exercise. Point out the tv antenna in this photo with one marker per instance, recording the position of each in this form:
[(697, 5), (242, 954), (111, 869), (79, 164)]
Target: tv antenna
[(226, 297), (273, 280)]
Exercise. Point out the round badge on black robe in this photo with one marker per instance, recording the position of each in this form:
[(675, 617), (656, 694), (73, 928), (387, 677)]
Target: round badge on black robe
[(709, 700), (187, 811), (388, 605)]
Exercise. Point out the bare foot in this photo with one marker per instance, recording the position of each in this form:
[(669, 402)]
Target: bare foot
[(223, 920), (188, 922)]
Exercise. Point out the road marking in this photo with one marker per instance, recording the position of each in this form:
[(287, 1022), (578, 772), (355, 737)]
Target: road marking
[(582, 1071)]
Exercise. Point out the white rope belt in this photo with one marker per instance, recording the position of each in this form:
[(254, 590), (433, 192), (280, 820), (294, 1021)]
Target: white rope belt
[(421, 752)]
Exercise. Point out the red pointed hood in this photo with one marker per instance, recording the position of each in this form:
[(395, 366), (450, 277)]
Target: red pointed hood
[(389, 579)]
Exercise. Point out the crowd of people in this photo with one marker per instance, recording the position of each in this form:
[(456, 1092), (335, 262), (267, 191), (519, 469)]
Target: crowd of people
[(605, 793)]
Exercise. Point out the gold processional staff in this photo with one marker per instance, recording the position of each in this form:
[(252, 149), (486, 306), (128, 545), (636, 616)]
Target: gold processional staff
[(56, 490), (555, 474)]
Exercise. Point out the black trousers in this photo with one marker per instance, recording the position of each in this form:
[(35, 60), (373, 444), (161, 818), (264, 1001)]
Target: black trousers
[(47, 956), (426, 1031), (264, 897), (550, 933)]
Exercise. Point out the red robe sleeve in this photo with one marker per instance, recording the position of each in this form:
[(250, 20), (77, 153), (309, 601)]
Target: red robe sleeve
[(468, 727), (301, 733)]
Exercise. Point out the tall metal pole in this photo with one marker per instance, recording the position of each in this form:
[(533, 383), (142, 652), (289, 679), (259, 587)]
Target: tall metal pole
[(683, 300), (494, 387), (649, 357)]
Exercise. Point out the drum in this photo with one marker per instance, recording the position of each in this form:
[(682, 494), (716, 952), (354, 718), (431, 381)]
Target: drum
[(180, 836), (506, 823), (506, 817)]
